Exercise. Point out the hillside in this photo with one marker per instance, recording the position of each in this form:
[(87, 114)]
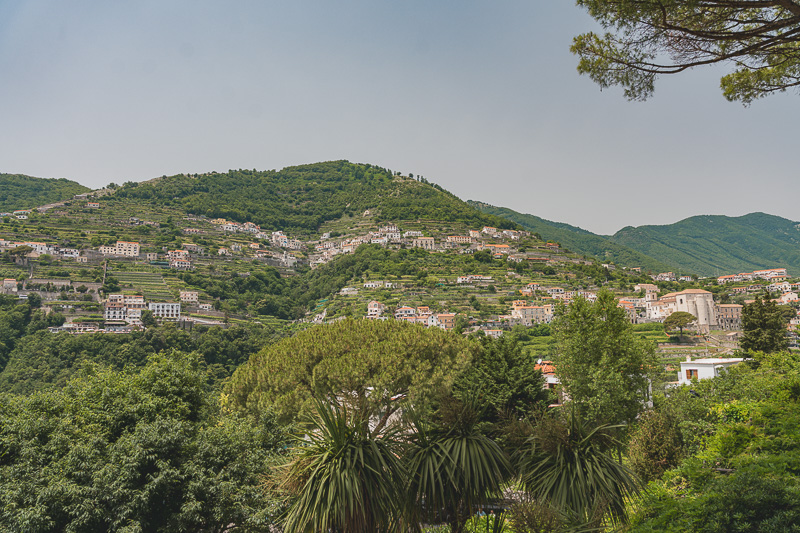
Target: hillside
[(578, 240), (711, 245), (300, 199), (25, 192)]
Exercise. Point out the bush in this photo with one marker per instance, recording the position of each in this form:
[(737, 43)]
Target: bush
[(656, 444)]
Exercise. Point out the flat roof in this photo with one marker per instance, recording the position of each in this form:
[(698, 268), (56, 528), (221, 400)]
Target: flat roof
[(714, 361)]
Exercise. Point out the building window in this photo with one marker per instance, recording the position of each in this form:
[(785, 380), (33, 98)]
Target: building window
[(691, 373)]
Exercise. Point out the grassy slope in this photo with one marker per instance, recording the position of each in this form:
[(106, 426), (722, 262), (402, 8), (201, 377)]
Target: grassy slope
[(25, 192), (578, 240), (714, 245)]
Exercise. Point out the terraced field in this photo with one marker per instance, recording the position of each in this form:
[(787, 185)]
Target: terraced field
[(151, 284)]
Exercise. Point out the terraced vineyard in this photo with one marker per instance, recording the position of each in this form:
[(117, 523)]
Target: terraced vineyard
[(151, 284)]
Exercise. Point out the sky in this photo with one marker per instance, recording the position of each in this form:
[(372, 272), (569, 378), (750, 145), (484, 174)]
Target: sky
[(480, 97)]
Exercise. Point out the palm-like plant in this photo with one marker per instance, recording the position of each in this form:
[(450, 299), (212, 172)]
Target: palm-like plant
[(571, 466), (344, 477), (452, 470)]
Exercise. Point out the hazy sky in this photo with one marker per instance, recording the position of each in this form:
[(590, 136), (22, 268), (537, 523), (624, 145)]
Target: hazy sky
[(480, 97)]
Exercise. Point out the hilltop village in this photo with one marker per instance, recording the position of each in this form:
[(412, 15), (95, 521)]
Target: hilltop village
[(512, 278)]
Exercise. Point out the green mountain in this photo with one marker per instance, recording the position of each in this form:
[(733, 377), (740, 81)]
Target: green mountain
[(25, 192), (707, 245), (711, 245), (578, 240), (300, 199)]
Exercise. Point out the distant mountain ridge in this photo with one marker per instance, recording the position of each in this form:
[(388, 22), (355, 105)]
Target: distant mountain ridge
[(713, 245), (18, 191), (577, 239), (706, 245)]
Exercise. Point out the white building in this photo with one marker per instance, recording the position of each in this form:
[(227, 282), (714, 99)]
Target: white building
[(704, 368), (698, 302), (166, 310)]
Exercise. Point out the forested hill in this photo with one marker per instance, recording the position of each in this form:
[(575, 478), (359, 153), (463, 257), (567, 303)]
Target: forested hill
[(578, 240), (299, 199), (25, 192), (712, 245)]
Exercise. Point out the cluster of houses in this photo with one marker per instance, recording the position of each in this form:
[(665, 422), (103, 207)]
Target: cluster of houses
[(415, 315), (178, 259), (122, 313), (650, 308), (668, 276), (772, 274), (19, 214), (277, 238), (127, 309), (327, 249), (40, 248)]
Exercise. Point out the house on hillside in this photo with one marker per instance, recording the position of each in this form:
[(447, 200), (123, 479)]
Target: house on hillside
[(189, 296), (375, 309), (426, 243), (704, 368), (551, 381)]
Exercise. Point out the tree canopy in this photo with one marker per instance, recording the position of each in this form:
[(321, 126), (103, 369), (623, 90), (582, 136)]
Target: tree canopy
[(25, 192), (602, 365), (369, 362), (763, 327), (299, 199), (679, 319), (651, 37), (505, 379), (133, 451)]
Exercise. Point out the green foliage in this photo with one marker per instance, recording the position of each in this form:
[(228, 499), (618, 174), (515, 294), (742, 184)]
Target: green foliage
[(148, 319), (763, 327), (535, 517), (18, 320), (753, 500), (344, 477), (603, 366), (710, 244), (125, 451), (505, 381), (648, 38), (299, 199), (655, 445), (43, 359), (25, 192), (678, 319), (569, 464), (741, 475), (367, 362), (453, 469)]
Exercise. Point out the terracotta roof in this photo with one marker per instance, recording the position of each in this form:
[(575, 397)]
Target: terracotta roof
[(693, 291)]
